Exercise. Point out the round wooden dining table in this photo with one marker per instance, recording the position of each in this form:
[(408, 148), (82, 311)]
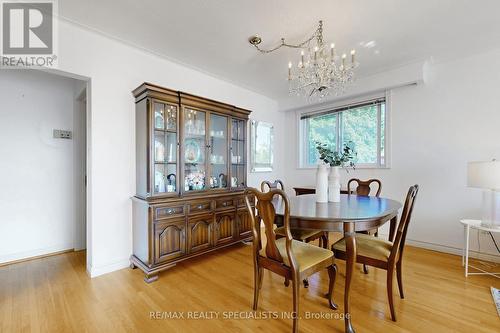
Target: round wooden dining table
[(353, 213)]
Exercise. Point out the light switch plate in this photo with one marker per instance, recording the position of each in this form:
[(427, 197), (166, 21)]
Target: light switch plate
[(62, 134)]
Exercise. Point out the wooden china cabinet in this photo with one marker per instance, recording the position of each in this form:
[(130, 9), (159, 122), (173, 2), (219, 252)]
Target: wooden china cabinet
[(191, 175)]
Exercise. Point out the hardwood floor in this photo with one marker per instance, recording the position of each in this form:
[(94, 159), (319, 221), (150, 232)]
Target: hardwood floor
[(54, 294)]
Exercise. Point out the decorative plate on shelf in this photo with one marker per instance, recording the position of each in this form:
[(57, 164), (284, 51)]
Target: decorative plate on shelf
[(192, 152)]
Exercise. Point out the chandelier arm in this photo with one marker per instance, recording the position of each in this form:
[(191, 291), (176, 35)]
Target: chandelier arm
[(318, 34)]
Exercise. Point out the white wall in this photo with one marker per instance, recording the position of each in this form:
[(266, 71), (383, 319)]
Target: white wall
[(436, 128), (115, 69), (37, 193)]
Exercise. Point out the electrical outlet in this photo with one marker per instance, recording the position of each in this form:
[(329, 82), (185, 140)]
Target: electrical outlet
[(62, 134)]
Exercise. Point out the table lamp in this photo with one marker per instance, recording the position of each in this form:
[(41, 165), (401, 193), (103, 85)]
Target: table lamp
[(486, 175)]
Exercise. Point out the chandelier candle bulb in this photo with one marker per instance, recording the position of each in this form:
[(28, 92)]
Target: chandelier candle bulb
[(332, 50), (344, 56), (290, 70), (302, 56), (353, 53)]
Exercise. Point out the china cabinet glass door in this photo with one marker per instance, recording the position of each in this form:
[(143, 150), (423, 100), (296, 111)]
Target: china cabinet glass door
[(165, 147), (218, 152), (238, 153), (194, 150)]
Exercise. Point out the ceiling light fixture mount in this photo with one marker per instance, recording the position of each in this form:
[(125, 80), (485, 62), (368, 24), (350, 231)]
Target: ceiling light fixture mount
[(320, 72), (255, 40)]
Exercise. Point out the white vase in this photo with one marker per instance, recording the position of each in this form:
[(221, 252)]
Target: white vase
[(334, 184), (322, 183)]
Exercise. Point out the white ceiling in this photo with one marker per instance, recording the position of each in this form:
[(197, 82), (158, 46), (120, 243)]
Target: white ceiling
[(212, 35)]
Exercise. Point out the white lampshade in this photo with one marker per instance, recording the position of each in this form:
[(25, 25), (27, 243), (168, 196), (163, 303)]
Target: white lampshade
[(484, 174)]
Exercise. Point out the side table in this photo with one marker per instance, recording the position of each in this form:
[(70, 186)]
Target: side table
[(474, 224)]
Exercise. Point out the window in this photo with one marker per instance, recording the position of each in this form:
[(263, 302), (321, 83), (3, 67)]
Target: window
[(362, 125)]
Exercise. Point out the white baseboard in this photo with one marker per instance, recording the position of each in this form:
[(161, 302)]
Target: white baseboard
[(108, 268), (35, 253), (451, 250)]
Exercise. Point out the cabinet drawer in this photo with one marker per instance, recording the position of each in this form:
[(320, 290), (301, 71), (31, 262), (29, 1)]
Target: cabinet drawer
[(222, 204), (200, 207), (170, 211)]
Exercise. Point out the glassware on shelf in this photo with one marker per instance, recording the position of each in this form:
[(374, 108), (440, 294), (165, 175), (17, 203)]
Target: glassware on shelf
[(171, 118), (165, 148), (218, 150), (171, 147), (159, 109), (159, 184), (159, 151), (194, 122), (234, 181)]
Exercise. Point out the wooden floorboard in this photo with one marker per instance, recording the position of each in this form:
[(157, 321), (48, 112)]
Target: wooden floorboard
[(54, 294)]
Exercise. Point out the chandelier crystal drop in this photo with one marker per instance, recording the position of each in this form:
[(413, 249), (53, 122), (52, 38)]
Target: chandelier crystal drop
[(320, 71)]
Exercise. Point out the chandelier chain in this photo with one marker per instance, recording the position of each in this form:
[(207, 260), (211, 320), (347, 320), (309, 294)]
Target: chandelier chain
[(318, 34)]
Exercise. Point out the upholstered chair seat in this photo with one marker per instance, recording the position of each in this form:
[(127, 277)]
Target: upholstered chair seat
[(367, 247), (307, 255)]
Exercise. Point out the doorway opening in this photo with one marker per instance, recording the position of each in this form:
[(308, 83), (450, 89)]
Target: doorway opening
[(43, 164)]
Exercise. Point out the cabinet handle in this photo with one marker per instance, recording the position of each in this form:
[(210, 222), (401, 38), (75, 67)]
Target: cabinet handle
[(170, 211), (200, 207)]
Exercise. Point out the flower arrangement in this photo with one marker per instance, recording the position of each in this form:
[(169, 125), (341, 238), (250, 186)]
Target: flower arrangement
[(333, 158)]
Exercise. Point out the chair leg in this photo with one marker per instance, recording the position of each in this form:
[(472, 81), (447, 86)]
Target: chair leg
[(399, 274), (261, 277), (257, 285), (390, 275), (365, 269), (324, 240), (332, 272), (295, 287), (287, 282), (306, 283)]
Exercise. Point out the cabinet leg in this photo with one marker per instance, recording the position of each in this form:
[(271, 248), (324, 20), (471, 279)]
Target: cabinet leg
[(132, 266), (150, 278)]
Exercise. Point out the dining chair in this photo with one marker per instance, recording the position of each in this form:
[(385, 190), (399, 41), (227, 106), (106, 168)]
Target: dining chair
[(287, 257), (302, 235), (383, 254), (363, 188)]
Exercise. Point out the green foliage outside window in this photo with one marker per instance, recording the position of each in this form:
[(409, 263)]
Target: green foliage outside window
[(363, 129)]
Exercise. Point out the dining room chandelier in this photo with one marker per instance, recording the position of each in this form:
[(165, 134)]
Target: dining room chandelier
[(320, 71)]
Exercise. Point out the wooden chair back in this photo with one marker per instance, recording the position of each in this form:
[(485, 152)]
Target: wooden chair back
[(277, 184), (363, 187), (265, 212), (399, 242)]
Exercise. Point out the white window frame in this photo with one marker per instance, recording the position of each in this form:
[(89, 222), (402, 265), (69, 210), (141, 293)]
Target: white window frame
[(302, 130)]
